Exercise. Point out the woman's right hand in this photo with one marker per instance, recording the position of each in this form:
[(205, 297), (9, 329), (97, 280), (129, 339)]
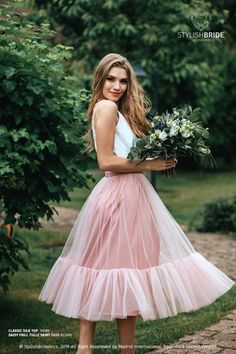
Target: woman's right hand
[(160, 165)]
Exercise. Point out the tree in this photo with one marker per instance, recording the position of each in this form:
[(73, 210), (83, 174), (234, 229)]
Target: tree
[(180, 70), (42, 121)]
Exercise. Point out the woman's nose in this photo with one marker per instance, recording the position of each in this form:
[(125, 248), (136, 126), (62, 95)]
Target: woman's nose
[(116, 85)]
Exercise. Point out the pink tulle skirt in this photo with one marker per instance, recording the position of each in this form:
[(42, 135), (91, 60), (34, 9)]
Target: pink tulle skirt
[(127, 256)]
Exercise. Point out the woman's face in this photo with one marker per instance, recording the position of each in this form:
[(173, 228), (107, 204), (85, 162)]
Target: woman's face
[(115, 84)]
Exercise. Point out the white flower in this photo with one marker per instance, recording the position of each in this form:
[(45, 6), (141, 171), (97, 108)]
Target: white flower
[(174, 130), (163, 136), (158, 132), (186, 134), (176, 123), (185, 131), (152, 137), (204, 150)]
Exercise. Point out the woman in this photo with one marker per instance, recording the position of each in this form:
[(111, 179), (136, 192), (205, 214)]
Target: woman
[(126, 256)]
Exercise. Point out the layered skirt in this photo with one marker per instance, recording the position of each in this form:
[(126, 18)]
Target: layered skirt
[(127, 256)]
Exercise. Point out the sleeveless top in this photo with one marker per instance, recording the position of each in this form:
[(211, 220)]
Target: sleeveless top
[(124, 136)]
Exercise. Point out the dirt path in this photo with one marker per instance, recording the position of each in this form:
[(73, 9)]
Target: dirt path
[(63, 221), (219, 250), (218, 338)]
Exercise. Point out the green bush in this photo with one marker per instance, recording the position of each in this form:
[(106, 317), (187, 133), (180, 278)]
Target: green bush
[(219, 215), (42, 121), (11, 247)]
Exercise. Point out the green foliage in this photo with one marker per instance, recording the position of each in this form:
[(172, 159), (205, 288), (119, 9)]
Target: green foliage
[(179, 70), (219, 215), (42, 121), (11, 257)]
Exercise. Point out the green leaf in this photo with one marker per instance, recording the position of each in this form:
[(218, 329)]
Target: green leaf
[(9, 71), (9, 86)]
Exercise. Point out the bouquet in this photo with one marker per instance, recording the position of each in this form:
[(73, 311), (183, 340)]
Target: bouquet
[(173, 135)]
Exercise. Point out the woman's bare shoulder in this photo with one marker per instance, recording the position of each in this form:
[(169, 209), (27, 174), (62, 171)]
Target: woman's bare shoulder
[(106, 113), (106, 105)]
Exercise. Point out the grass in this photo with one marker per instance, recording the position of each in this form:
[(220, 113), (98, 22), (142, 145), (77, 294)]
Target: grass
[(190, 190), (20, 308)]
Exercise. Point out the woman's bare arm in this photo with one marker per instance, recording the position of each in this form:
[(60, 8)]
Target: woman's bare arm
[(105, 124)]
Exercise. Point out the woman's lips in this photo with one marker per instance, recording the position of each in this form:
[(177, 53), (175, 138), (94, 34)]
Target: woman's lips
[(115, 94)]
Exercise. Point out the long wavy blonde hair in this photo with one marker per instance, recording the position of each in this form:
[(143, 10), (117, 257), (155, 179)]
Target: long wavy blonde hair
[(133, 104)]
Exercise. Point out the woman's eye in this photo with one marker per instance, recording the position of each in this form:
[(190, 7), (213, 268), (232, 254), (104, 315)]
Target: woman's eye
[(124, 82)]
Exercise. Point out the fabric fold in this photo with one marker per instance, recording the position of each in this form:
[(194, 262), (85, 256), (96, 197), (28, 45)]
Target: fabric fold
[(156, 292), (126, 255)]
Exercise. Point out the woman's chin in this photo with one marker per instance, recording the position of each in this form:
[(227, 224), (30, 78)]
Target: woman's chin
[(112, 98)]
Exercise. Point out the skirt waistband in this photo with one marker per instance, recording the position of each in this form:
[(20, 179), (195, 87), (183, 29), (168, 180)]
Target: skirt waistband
[(111, 174)]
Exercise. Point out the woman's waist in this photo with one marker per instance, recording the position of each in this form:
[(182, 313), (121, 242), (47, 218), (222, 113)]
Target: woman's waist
[(112, 174)]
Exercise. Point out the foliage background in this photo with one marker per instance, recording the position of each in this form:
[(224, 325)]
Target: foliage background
[(179, 70), (42, 121), (48, 52)]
